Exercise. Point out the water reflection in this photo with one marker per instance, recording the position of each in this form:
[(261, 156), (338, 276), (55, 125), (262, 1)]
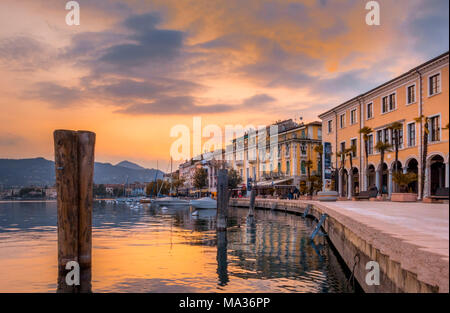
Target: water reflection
[(170, 250)]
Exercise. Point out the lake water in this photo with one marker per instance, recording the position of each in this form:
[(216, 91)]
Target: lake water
[(157, 250)]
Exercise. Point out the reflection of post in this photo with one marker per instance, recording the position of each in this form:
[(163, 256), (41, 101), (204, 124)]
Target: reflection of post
[(222, 199), (251, 210), (74, 165), (222, 263)]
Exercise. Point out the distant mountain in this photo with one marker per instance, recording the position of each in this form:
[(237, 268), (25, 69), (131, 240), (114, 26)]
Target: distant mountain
[(131, 165), (41, 172)]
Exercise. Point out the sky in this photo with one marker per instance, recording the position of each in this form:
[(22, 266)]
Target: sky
[(134, 69)]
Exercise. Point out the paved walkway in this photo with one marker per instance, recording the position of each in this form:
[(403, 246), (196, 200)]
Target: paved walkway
[(421, 224)]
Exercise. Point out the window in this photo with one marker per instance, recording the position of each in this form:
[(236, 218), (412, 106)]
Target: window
[(287, 150), (303, 149), (343, 146), (411, 94), (392, 103), (303, 167), (288, 168), (369, 110), (386, 135), (370, 144), (435, 128), (279, 167), (379, 135), (385, 105), (330, 126), (242, 172), (388, 103), (353, 118), (342, 120), (411, 134), (434, 84), (400, 137), (353, 144)]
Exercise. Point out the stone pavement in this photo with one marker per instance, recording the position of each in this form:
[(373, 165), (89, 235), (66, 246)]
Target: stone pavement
[(422, 224)]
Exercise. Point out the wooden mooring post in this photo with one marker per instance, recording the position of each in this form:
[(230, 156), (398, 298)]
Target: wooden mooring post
[(74, 166), (222, 200)]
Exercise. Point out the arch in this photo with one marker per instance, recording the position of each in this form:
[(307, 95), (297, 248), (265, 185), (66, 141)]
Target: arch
[(371, 176), (409, 159), (436, 173), (433, 154), (392, 165), (355, 181), (412, 167)]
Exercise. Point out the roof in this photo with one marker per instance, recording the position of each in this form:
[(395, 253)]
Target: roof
[(414, 70)]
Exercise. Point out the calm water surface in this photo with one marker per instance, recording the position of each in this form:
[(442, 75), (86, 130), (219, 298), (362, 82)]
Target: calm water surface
[(157, 250)]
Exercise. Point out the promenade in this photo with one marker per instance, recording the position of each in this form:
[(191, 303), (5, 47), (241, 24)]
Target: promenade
[(409, 240)]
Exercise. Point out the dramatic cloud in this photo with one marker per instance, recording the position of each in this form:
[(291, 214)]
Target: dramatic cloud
[(143, 66)]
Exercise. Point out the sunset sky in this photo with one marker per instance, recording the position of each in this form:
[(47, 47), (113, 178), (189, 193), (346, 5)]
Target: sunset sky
[(133, 69)]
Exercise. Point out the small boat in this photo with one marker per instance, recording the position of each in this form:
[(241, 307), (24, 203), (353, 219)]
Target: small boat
[(204, 203), (170, 201), (145, 200)]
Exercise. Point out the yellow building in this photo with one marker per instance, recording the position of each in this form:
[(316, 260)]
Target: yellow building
[(283, 156), (422, 91)]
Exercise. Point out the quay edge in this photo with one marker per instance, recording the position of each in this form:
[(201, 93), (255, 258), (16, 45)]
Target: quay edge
[(413, 271)]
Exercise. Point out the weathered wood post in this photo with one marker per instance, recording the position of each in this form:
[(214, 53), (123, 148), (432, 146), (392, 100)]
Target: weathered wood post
[(222, 200), (86, 144), (74, 167), (66, 167)]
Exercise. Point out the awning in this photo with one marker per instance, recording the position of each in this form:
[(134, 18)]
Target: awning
[(270, 183)]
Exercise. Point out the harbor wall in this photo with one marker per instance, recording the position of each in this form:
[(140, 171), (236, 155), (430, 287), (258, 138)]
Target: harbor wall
[(357, 243)]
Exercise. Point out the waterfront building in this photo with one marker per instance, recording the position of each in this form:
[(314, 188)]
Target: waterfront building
[(283, 160), (211, 162), (422, 91)]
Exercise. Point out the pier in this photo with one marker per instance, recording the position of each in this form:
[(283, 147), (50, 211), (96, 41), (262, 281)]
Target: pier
[(410, 241)]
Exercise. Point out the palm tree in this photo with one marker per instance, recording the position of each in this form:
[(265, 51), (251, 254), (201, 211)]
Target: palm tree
[(319, 149), (383, 147), (395, 128), (423, 119), (366, 131)]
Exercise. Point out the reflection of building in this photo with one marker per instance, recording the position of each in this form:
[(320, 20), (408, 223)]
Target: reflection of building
[(423, 90), (282, 159)]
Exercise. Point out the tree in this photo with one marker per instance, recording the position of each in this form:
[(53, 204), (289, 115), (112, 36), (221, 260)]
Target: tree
[(383, 147), (349, 152), (366, 131), (319, 149), (177, 183), (403, 180), (200, 178), (423, 119), (234, 179), (396, 127)]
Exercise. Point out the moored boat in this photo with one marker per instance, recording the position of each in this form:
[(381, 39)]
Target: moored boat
[(204, 203), (170, 201)]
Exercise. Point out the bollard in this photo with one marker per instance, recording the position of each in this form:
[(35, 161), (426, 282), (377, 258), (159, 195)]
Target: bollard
[(74, 167)]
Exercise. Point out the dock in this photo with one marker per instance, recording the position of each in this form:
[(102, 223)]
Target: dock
[(409, 241)]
